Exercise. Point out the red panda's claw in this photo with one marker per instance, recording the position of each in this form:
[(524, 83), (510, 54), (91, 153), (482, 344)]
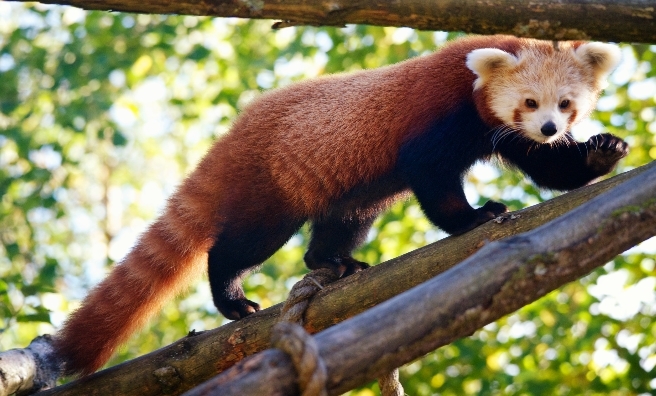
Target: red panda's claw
[(352, 266), (341, 265), (489, 211), (494, 208), (238, 308), (485, 213), (604, 152)]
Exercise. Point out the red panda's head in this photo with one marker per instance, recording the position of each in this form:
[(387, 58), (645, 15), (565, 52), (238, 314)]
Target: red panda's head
[(542, 90)]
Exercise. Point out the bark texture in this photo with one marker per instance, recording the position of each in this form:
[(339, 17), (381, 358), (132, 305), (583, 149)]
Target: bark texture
[(198, 357), (27, 370), (606, 20), (499, 279)]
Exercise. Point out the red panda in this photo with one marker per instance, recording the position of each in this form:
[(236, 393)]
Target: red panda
[(338, 150)]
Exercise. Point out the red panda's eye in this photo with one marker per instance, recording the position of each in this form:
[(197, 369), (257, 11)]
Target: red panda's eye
[(564, 104), (531, 103)]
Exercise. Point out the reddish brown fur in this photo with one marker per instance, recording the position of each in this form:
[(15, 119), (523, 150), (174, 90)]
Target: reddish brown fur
[(517, 116), (572, 117), (293, 151), (481, 98)]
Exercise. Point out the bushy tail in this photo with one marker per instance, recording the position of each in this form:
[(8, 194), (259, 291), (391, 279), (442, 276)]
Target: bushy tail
[(166, 259)]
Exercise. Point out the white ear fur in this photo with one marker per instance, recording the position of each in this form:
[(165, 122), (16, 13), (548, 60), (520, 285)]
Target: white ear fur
[(485, 61), (601, 57)]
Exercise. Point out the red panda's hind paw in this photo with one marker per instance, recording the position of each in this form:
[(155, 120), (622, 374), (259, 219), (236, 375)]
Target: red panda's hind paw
[(238, 308), (342, 266), (352, 266)]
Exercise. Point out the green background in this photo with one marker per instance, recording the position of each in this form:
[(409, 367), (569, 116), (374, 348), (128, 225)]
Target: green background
[(102, 114)]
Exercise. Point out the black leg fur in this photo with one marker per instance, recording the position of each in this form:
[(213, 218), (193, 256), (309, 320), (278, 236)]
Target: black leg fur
[(567, 164), (237, 252), (434, 163), (227, 290), (445, 204), (340, 231), (333, 240)]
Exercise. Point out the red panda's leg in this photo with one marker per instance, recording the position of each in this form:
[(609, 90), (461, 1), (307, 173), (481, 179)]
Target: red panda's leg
[(334, 238), (443, 201), (567, 164), (434, 162), (237, 250)]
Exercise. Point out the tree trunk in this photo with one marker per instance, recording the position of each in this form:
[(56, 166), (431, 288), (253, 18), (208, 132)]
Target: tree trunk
[(607, 20), (194, 359), (499, 279)]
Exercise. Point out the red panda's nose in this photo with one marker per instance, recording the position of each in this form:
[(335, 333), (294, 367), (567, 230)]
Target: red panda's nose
[(549, 129)]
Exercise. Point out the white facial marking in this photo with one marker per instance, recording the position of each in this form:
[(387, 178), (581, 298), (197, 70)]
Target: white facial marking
[(602, 58), (539, 86), (486, 61)]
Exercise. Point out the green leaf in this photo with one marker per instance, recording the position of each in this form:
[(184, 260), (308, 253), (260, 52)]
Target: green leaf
[(37, 317)]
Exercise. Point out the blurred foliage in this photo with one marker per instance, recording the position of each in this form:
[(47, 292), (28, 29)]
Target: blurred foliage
[(101, 115)]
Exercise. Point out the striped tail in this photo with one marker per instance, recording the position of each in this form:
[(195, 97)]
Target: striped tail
[(168, 256)]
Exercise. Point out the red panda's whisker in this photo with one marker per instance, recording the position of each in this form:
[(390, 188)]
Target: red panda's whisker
[(501, 133)]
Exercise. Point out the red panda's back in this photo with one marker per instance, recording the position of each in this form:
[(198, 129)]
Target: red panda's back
[(320, 138), (317, 139)]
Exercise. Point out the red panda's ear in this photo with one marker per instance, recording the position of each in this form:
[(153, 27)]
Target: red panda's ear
[(600, 57), (485, 61)]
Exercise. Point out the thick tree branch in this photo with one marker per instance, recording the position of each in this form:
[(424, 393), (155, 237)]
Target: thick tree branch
[(607, 20), (499, 279), (26, 370), (192, 360)]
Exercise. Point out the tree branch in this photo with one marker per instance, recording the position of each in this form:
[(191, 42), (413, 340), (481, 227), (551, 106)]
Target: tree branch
[(194, 359), (499, 279), (607, 20), (26, 370)]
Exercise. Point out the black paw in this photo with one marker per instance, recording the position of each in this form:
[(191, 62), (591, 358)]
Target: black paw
[(485, 213), (237, 309), (341, 265), (604, 152), (492, 209), (351, 266)]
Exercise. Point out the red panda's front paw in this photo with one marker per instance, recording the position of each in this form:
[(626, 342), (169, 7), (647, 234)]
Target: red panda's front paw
[(341, 265), (485, 213), (352, 266), (604, 152), (490, 210)]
